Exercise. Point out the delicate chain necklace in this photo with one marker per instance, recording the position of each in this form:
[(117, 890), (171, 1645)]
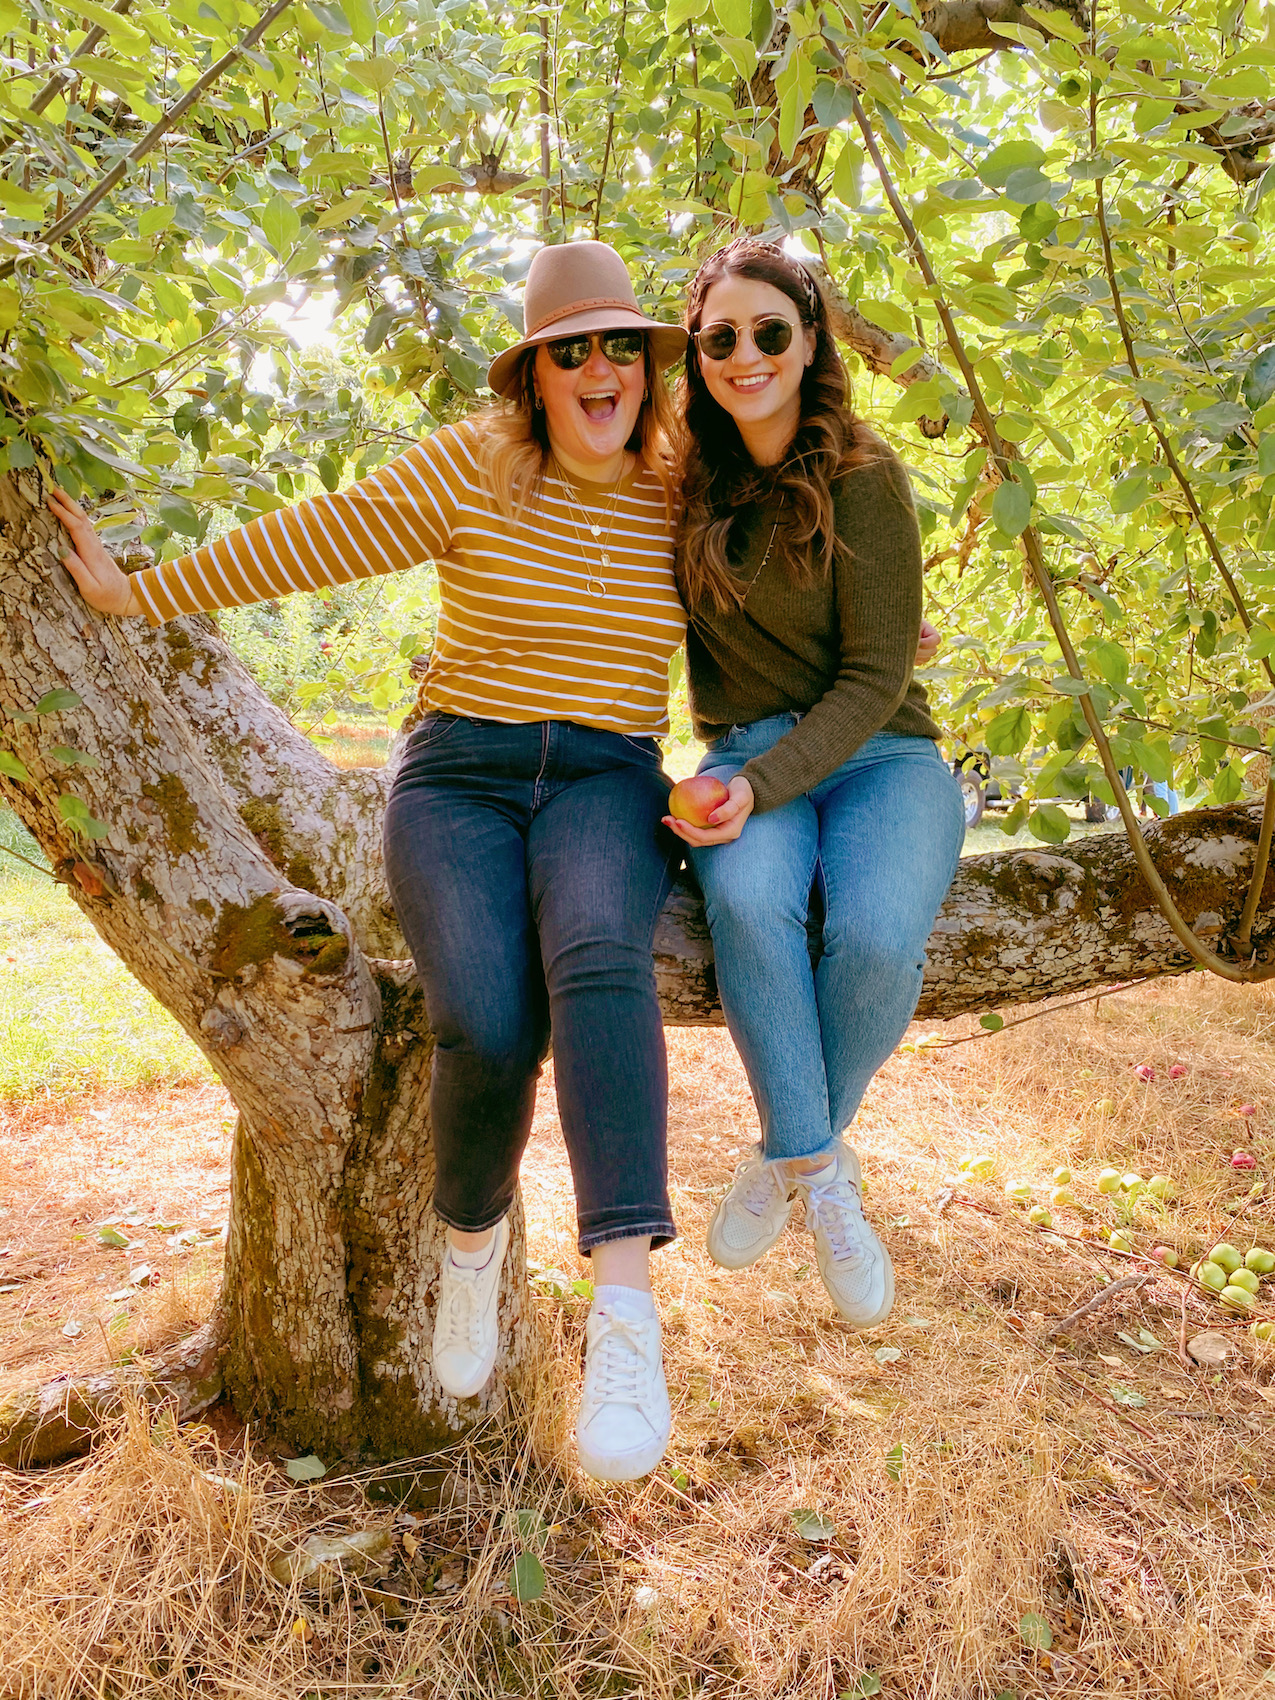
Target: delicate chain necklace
[(774, 532), (594, 583)]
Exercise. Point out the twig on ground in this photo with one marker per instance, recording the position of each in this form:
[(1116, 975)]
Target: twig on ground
[(1038, 1015), (1126, 1284), (1184, 1357)]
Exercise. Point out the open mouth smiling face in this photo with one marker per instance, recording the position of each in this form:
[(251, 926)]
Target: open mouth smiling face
[(590, 412)]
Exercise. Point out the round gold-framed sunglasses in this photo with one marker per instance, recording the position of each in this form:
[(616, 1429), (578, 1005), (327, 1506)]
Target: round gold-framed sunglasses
[(621, 348), (771, 335)]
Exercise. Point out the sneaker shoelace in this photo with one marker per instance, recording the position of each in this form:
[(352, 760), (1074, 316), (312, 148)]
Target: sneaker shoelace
[(762, 1187), (837, 1208), (618, 1370), (461, 1318)]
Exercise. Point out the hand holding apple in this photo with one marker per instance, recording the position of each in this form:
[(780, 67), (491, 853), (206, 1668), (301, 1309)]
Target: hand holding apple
[(722, 822)]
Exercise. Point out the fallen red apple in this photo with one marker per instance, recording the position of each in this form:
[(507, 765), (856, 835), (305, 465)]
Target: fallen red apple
[(1144, 1072), (695, 799), (1248, 1109), (1176, 1070), (1243, 1160)]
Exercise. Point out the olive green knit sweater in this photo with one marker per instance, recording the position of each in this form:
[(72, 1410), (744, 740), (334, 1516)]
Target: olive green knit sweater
[(839, 652)]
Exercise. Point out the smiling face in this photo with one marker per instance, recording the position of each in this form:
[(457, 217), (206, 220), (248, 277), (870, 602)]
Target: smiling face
[(590, 413), (761, 392)]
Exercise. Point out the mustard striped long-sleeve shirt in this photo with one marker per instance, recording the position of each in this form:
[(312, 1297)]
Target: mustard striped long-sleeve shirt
[(523, 633)]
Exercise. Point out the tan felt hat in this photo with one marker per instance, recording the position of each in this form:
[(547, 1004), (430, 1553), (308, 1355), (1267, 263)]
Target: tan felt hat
[(576, 287)]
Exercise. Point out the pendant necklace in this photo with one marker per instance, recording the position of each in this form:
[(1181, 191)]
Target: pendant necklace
[(594, 583), (761, 566)]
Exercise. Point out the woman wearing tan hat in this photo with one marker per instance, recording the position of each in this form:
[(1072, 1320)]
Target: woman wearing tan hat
[(523, 842)]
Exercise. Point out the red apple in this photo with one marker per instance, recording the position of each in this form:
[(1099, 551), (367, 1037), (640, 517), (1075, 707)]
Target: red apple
[(1176, 1071), (1243, 1160), (695, 799), (1144, 1072), (1248, 1109)]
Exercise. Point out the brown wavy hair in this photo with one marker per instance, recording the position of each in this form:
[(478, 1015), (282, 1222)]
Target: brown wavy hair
[(719, 476), (513, 438)]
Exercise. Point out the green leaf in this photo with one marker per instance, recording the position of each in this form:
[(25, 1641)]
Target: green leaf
[(330, 16), (307, 1469), (677, 12), (812, 1525), (112, 1237), (57, 701), (1011, 508), (993, 1022), (763, 23), (75, 812), (1048, 823), (1126, 1395), (1112, 662), (527, 1578), (11, 767), (864, 1686), (833, 103), (997, 167), (73, 758), (1037, 221), (527, 1524), (1035, 1631), (894, 1462), (1008, 732), (280, 224)]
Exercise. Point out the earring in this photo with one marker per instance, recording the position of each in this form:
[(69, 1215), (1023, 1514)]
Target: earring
[(645, 393), (540, 406)]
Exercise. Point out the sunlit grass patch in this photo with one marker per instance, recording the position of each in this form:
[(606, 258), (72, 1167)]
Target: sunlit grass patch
[(72, 1017)]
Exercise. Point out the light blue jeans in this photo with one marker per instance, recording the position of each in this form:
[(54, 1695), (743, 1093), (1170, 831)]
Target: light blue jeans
[(880, 839)]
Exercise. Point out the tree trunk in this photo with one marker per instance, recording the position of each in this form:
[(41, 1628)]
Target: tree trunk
[(240, 879)]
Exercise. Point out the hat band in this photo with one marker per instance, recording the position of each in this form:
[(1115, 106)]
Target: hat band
[(586, 306)]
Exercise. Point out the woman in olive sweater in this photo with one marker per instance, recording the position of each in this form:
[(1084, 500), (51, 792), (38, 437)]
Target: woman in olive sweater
[(800, 567)]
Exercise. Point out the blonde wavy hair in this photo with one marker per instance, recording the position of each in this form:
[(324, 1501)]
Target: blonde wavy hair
[(514, 448)]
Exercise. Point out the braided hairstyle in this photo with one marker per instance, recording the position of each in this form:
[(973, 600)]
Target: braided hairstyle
[(719, 476)]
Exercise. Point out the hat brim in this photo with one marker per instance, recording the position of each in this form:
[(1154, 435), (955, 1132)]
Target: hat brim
[(668, 342)]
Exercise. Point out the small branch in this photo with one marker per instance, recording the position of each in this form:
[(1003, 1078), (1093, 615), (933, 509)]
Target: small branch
[(1126, 1284), (19, 857), (151, 140), (60, 78), (1184, 1357), (1261, 861), (991, 1032)]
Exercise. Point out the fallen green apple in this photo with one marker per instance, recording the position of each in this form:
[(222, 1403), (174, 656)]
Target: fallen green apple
[(1165, 1254), (1159, 1186), (1062, 1177), (1039, 1217), (1264, 1330), (1062, 1195), (1259, 1260), (1019, 1191), (1211, 1275), (1132, 1183), (1225, 1256), (1236, 1298), (1245, 1278), (980, 1168), (1118, 1241), (1109, 1180)]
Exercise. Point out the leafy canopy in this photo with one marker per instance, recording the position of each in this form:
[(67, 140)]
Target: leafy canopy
[(391, 166)]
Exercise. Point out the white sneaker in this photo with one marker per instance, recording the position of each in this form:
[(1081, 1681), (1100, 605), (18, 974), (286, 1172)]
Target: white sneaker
[(624, 1420), (855, 1266), (752, 1215), (465, 1323)]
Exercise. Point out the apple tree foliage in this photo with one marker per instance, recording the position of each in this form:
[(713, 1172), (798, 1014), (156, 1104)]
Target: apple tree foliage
[(1089, 186)]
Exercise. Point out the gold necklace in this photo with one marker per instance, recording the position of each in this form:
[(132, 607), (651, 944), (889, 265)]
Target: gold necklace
[(594, 583), (774, 532)]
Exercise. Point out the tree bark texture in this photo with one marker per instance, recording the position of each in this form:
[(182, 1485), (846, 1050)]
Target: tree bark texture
[(241, 881)]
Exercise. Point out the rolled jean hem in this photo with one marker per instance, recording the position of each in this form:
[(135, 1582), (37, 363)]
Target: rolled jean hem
[(824, 1150), (471, 1227), (660, 1232)]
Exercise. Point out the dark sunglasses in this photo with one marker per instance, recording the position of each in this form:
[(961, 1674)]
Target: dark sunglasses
[(771, 335), (621, 348)]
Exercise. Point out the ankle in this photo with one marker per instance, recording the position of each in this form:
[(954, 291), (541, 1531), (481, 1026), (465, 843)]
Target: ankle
[(802, 1168), (633, 1304), (470, 1251)]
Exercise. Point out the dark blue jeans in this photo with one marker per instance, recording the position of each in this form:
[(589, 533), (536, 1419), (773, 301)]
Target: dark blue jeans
[(527, 864)]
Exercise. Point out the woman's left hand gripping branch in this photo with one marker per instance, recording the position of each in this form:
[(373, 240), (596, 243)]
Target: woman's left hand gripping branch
[(727, 819)]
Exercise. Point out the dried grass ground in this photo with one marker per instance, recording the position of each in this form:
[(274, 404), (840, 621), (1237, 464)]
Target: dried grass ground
[(977, 1485)]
